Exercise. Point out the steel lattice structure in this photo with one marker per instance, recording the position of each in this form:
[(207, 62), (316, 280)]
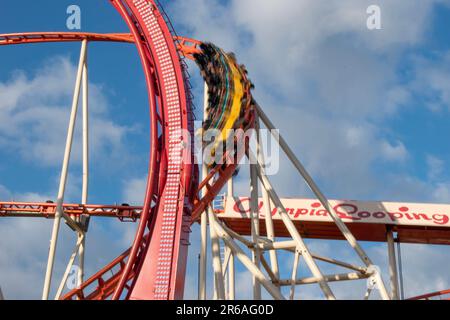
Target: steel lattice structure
[(154, 266)]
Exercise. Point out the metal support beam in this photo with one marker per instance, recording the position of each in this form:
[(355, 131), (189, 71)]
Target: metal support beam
[(329, 278), (238, 237), (290, 245), (203, 221), (293, 231), (254, 220), (294, 274), (63, 179), (270, 231), (392, 264), (400, 269), (219, 287), (312, 185), (85, 183), (231, 278), (320, 196), (275, 279), (246, 261), (230, 190), (367, 294), (226, 260), (69, 266)]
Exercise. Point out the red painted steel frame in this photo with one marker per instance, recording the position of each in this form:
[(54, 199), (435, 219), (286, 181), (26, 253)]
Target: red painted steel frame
[(48, 210), (185, 45), (40, 37), (163, 257), (442, 295)]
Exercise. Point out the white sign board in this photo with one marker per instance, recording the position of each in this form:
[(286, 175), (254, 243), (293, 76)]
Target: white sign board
[(396, 213)]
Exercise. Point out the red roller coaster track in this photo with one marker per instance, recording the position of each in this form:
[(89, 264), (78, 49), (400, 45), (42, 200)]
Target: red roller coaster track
[(156, 263)]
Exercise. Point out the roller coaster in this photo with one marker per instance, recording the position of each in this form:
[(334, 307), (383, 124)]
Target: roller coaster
[(179, 194)]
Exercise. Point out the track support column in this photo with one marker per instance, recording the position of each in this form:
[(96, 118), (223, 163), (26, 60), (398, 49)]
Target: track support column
[(63, 179), (270, 232), (85, 184), (231, 278), (255, 227), (322, 199), (392, 264), (203, 220), (294, 232), (246, 261)]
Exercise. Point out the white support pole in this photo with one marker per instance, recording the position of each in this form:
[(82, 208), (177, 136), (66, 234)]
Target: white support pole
[(339, 263), (329, 278), (254, 212), (225, 266), (226, 260), (203, 255), (230, 191), (231, 279), (203, 221), (294, 274), (85, 184), (290, 245), (294, 232), (367, 294), (64, 172), (219, 282), (238, 237), (312, 185), (69, 266), (270, 232), (392, 264), (270, 273), (246, 261), (219, 289), (231, 292), (320, 196)]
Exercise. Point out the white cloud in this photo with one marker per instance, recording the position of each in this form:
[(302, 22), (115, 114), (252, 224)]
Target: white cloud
[(8, 195), (435, 166), (37, 107), (134, 190), (395, 152), (441, 192), (432, 80), (4, 193), (327, 82), (319, 76)]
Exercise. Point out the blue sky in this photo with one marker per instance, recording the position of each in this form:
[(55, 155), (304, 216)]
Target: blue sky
[(367, 111)]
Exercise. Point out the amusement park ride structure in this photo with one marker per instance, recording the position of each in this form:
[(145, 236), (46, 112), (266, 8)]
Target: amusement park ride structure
[(154, 266)]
